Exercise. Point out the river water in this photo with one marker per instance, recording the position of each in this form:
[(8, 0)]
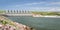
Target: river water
[(39, 23)]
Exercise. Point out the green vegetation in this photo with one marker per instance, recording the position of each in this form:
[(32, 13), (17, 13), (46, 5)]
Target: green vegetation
[(2, 11), (5, 22), (47, 13)]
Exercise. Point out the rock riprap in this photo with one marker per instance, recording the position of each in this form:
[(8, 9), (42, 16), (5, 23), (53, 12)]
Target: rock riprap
[(6, 24)]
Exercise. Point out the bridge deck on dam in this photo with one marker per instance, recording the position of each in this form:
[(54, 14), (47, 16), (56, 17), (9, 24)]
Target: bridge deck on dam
[(19, 14)]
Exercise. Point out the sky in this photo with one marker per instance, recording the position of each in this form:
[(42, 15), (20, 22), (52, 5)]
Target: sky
[(40, 5)]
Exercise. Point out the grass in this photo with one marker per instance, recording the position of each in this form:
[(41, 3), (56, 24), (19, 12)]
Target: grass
[(2, 11), (47, 13)]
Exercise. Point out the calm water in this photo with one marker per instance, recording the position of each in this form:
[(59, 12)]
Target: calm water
[(39, 23)]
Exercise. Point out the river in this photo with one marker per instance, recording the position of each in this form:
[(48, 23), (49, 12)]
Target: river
[(39, 23)]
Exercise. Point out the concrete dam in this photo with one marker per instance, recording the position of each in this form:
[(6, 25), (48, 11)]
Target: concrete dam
[(17, 13)]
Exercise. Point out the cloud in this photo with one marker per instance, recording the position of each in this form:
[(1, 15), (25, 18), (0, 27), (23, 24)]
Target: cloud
[(47, 8), (47, 3), (35, 3), (55, 3), (38, 8), (24, 6)]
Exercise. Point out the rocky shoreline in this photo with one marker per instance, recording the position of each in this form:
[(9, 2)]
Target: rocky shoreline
[(6, 24)]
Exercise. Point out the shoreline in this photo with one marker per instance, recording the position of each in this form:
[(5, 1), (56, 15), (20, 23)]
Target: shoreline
[(18, 25), (55, 16), (46, 16)]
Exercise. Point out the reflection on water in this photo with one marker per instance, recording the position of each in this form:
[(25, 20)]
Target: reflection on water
[(39, 23)]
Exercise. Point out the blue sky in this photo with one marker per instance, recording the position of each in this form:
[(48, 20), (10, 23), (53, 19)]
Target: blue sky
[(47, 5)]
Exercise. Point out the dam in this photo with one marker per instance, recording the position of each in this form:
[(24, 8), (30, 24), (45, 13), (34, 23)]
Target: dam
[(18, 13)]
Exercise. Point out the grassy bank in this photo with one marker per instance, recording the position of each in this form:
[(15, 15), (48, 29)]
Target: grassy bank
[(2, 11), (47, 13)]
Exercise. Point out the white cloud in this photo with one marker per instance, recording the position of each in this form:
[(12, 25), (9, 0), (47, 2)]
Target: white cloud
[(34, 3), (37, 8), (55, 3), (48, 8), (46, 3)]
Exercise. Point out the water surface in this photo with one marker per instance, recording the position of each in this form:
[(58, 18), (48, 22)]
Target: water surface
[(39, 23)]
